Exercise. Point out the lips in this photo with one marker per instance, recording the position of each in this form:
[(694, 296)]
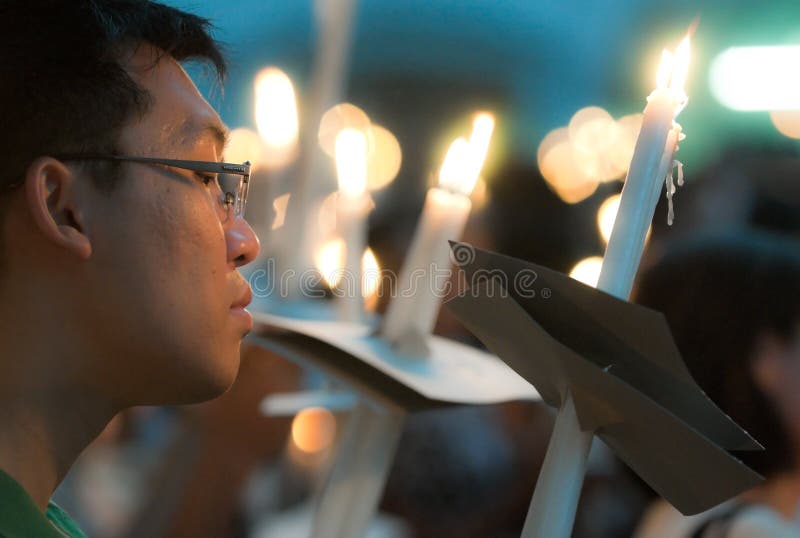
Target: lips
[(244, 299), (238, 311)]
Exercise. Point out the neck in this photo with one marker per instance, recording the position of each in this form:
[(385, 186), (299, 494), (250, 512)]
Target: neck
[(50, 404), (781, 493), (39, 443)]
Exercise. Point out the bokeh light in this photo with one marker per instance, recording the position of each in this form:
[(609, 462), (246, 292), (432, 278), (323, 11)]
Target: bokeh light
[(592, 130), (606, 216), (351, 162), (276, 116), (787, 122), (587, 270), (245, 145), (340, 117), (757, 78), (563, 175), (313, 430), (280, 204), (384, 159), (594, 148), (621, 153)]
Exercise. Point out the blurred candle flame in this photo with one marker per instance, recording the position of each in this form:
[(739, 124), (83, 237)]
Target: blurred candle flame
[(464, 160), (482, 129), (329, 260), (455, 169), (371, 280), (313, 429), (370, 269), (351, 162), (276, 109)]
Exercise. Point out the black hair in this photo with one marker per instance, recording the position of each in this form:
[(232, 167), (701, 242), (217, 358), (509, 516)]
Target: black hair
[(720, 294), (63, 85)]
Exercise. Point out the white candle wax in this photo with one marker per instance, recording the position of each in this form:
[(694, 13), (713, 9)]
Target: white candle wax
[(552, 509), (328, 84), (412, 312), (352, 206), (650, 164), (351, 213)]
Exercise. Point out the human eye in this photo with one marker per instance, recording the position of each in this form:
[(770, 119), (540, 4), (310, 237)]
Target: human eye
[(207, 179)]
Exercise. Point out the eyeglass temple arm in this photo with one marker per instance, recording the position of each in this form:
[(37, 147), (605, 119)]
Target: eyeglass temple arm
[(196, 166)]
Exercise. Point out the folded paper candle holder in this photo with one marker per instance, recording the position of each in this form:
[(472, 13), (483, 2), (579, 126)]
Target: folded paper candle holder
[(389, 385), (622, 368), (451, 374)]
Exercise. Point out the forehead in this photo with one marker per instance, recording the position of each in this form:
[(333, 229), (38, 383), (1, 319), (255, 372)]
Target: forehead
[(178, 117)]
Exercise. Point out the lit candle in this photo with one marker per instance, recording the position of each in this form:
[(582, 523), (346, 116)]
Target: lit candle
[(352, 206), (651, 163), (412, 313), (552, 509), (276, 116), (277, 124), (328, 83)]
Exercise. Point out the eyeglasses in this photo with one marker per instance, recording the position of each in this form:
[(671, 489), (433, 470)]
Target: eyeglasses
[(232, 180)]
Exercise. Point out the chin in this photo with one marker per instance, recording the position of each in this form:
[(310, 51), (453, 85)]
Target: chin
[(203, 380), (217, 381)]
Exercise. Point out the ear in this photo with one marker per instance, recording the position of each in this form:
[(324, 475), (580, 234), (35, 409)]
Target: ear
[(52, 199)]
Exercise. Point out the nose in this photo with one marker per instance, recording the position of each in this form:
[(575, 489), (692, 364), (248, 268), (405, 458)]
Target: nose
[(242, 243)]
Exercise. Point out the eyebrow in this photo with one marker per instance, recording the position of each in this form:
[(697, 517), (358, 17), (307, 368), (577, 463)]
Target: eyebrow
[(218, 131)]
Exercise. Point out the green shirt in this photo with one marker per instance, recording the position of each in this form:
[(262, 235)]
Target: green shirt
[(21, 518)]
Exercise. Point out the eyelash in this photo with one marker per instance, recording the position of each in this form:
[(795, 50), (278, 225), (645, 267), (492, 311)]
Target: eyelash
[(205, 178)]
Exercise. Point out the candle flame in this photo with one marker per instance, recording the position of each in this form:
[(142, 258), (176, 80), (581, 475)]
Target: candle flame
[(370, 270), (673, 68), (329, 260), (482, 128), (464, 160), (681, 66), (276, 108), (664, 69), (454, 174), (351, 162)]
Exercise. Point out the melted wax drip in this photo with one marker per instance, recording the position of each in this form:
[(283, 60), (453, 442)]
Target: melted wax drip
[(670, 180)]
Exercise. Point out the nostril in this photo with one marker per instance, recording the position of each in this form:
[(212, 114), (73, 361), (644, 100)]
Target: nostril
[(240, 258)]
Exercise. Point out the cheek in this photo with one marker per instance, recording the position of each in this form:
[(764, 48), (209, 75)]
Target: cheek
[(193, 252), (174, 253)]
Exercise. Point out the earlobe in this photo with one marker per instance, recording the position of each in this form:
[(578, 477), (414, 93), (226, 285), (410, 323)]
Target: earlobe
[(51, 198)]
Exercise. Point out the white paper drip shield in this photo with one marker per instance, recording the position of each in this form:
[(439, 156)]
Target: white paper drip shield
[(451, 374), (623, 369)]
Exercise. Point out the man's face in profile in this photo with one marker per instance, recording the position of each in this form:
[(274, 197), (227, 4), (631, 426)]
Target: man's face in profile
[(165, 292)]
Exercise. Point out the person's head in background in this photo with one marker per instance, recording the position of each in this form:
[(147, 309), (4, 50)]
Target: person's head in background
[(118, 279), (733, 304)]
